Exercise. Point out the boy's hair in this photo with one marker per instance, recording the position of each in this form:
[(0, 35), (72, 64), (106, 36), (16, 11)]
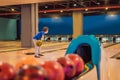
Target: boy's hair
[(45, 28)]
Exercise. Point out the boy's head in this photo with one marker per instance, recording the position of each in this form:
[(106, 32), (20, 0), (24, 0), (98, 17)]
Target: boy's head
[(45, 29)]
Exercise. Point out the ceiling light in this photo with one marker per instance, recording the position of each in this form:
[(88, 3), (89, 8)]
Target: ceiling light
[(74, 5), (46, 6), (12, 9), (86, 9), (44, 12), (106, 8), (61, 11), (98, 3)]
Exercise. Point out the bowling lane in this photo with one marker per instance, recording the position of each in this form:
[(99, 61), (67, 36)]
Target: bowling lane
[(113, 63), (107, 44), (110, 65), (114, 71), (6, 46), (112, 50)]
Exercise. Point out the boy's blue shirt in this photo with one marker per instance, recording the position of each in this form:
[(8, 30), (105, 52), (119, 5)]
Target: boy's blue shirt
[(39, 35)]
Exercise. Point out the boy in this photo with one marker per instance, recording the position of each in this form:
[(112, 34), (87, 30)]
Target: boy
[(39, 36)]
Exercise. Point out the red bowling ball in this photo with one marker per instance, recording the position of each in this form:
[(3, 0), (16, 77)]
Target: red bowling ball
[(7, 72), (54, 70), (30, 72), (78, 61), (68, 66)]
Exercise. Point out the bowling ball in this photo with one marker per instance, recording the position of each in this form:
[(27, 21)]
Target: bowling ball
[(39, 42), (78, 61), (27, 60), (7, 72), (68, 66), (30, 72), (54, 70)]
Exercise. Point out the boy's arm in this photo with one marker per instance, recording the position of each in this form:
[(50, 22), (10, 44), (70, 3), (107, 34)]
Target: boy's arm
[(42, 37)]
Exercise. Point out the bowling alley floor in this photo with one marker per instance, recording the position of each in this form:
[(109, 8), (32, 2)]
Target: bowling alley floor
[(6, 46), (11, 52)]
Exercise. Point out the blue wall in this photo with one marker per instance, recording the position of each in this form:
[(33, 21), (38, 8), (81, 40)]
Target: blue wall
[(102, 24), (99, 24), (57, 25), (7, 29)]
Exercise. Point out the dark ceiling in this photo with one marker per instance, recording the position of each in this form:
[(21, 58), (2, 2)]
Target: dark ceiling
[(6, 11), (78, 3)]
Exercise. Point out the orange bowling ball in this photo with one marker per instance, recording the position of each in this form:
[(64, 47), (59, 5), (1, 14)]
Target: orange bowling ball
[(26, 61), (68, 66), (78, 61), (54, 70)]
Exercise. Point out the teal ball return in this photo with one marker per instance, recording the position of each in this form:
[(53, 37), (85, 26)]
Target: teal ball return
[(89, 48)]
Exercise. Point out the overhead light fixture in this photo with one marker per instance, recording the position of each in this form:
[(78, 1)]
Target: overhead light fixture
[(98, 3), (74, 5), (46, 6), (86, 9), (45, 12), (61, 11), (106, 8), (12, 9)]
